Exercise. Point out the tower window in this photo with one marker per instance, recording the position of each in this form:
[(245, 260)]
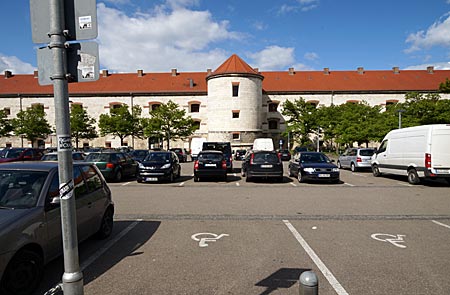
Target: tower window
[(273, 107), (273, 124), (195, 107), (235, 89), (235, 114)]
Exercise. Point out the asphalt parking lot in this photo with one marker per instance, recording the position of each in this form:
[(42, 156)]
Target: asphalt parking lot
[(365, 235)]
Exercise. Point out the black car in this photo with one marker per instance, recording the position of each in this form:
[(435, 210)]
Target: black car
[(181, 153), (240, 155), (210, 164), (262, 164), (224, 147), (30, 218), (285, 155), (313, 166), (159, 166), (114, 165), (139, 155)]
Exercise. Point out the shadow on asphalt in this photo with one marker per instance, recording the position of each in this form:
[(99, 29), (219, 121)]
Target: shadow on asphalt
[(284, 278), (142, 233)]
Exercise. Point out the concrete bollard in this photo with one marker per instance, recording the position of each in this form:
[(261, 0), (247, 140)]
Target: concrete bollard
[(309, 283)]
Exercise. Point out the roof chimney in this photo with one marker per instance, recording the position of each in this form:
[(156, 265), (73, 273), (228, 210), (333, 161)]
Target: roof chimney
[(396, 70), (430, 70), (326, 71), (208, 72), (36, 74), (256, 70), (360, 70), (140, 73), (291, 71), (8, 74), (105, 73), (174, 72), (191, 83)]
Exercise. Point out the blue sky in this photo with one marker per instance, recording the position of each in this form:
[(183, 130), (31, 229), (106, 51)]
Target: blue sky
[(194, 35)]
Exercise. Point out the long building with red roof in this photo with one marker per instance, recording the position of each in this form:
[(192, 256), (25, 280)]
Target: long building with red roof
[(235, 102)]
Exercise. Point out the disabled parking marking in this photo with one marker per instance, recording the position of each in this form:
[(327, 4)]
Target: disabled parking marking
[(203, 242), (393, 239), (322, 267), (441, 224)]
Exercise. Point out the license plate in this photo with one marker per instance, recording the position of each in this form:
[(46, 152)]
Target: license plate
[(266, 166), (442, 171), (210, 165), (151, 179), (324, 175)]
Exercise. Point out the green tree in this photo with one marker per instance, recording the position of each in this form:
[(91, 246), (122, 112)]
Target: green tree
[(5, 124), (444, 87), (82, 126), (32, 123), (121, 123), (168, 122), (301, 119)]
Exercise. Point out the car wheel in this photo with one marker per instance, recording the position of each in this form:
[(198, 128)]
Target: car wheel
[(118, 177), (375, 171), (225, 178), (247, 179), (179, 172), (171, 177), (413, 177), (107, 224), (196, 178), (353, 167), (339, 165), (300, 177), (23, 273), (290, 173), (242, 173)]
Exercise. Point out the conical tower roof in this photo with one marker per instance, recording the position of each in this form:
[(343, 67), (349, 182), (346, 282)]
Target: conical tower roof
[(235, 65)]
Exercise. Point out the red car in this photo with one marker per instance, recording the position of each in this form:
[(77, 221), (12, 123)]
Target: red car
[(20, 154)]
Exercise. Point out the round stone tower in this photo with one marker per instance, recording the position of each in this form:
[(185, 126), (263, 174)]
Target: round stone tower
[(234, 103)]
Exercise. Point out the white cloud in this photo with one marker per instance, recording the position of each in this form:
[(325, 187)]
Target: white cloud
[(301, 5), (312, 56), (438, 34), (15, 65), (437, 66), (170, 37), (274, 58)]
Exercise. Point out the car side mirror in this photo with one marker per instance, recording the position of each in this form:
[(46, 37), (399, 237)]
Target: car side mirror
[(56, 201)]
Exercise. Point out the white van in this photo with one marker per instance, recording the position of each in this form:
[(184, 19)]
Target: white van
[(263, 144), (196, 146), (417, 152)]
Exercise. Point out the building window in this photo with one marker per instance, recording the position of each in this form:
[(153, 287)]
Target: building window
[(390, 103), (235, 114), (313, 103), (196, 125), (352, 101), (7, 111), (273, 124), (235, 89), (154, 106), (115, 106), (236, 136), (195, 108), (273, 107)]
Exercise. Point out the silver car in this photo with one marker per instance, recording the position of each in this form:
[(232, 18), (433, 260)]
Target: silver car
[(30, 222), (356, 158)]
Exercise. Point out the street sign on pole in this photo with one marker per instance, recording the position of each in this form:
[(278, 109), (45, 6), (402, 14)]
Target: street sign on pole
[(80, 19)]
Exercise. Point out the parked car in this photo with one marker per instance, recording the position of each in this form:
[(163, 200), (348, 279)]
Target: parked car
[(224, 147), (181, 153), (114, 165), (356, 158), (285, 155), (313, 166), (159, 166), (30, 220), (139, 155), (262, 164), (53, 156), (20, 154), (239, 155), (210, 164)]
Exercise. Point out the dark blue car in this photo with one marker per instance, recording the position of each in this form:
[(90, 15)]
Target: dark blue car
[(313, 166)]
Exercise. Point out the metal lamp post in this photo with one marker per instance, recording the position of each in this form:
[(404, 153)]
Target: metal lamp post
[(400, 118)]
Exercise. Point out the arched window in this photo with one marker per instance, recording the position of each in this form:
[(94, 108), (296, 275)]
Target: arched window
[(196, 125), (273, 107), (194, 107)]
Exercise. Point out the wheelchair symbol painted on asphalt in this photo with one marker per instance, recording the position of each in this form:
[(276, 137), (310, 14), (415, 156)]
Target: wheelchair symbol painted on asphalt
[(204, 238), (395, 240)]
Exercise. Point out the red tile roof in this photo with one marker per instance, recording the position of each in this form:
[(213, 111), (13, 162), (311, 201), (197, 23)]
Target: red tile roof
[(274, 82)]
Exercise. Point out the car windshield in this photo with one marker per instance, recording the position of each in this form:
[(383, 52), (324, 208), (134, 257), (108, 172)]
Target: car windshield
[(52, 157), (97, 157), (313, 158), (20, 189), (265, 157), (211, 157), (139, 153), (366, 152), (157, 157), (10, 154)]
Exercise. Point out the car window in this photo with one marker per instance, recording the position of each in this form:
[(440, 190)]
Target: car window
[(313, 158), (211, 157), (367, 153), (265, 157), (49, 157), (20, 189), (97, 157), (92, 178), (79, 185), (383, 146), (157, 157)]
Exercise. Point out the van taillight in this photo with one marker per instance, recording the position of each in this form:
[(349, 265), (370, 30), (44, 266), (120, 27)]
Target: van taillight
[(224, 164), (251, 159), (110, 165), (428, 161), (196, 165), (358, 160)]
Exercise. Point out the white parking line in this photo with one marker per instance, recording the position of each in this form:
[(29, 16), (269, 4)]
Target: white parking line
[(349, 184), (126, 183), (238, 184), (441, 224), (293, 184), (325, 271), (181, 184)]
